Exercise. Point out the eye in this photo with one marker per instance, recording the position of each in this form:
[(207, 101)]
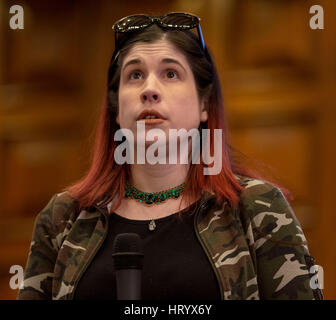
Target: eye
[(172, 74), (135, 75)]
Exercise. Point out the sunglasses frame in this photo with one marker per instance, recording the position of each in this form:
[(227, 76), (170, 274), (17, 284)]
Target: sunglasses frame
[(158, 20)]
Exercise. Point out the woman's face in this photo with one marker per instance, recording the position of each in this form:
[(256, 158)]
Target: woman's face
[(158, 77)]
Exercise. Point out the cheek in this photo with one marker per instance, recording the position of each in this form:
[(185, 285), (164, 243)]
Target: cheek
[(123, 100), (124, 103), (187, 113)]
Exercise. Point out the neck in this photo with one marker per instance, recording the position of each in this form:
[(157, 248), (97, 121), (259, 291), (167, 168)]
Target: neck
[(155, 178), (158, 177)]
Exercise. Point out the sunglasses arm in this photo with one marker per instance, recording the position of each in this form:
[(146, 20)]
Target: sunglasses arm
[(200, 35)]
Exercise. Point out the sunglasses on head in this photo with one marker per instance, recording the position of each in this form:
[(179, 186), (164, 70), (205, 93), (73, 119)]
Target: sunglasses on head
[(171, 21)]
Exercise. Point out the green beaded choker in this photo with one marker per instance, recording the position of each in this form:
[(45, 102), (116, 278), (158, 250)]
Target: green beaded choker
[(151, 198)]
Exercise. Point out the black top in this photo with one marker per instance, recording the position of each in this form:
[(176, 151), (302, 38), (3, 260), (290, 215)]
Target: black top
[(175, 265)]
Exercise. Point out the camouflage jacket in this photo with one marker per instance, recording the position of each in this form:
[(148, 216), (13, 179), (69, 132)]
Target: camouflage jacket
[(257, 251)]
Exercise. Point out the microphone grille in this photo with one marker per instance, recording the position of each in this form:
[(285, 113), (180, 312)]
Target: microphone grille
[(127, 251), (127, 242)]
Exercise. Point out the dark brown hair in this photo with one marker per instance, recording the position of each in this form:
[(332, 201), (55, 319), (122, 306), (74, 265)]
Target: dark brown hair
[(106, 179)]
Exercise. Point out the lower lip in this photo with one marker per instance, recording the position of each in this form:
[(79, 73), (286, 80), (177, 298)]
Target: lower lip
[(152, 121)]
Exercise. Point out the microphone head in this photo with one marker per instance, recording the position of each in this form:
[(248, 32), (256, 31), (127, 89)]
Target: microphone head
[(127, 251)]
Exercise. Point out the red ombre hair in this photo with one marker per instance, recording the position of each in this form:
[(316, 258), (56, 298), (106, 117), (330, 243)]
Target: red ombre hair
[(105, 180)]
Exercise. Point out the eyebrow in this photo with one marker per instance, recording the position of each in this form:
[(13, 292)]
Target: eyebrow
[(164, 60)]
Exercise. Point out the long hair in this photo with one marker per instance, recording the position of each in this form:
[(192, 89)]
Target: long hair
[(105, 179)]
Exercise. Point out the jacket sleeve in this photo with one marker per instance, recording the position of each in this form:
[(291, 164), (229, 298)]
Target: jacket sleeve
[(38, 273), (283, 262)]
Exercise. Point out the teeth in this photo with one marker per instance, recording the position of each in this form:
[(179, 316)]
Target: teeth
[(151, 117)]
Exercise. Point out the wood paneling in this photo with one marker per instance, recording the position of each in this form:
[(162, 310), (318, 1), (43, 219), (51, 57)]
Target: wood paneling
[(278, 78)]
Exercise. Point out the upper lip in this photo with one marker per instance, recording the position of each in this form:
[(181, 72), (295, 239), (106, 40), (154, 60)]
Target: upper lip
[(150, 112)]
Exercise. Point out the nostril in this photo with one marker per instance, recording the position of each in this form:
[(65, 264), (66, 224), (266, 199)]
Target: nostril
[(153, 97)]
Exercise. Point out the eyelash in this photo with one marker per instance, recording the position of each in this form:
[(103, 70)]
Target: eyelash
[(138, 71)]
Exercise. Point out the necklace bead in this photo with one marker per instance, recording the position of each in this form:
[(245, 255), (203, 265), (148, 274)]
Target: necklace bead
[(151, 198)]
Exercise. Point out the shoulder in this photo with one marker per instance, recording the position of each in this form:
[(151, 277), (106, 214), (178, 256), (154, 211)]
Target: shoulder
[(259, 195), (265, 212), (61, 205), (263, 205), (256, 187), (58, 213)]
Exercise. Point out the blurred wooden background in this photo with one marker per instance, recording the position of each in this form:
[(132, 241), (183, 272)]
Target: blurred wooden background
[(278, 78)]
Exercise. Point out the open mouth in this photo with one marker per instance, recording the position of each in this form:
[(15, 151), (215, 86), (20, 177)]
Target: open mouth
[(152, 120), (151, 117)]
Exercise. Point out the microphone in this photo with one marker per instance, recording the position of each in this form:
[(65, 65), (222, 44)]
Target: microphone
[(128, 263)]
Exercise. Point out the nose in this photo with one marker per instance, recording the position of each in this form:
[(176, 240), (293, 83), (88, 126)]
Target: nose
[(150, 93), (150, 96)]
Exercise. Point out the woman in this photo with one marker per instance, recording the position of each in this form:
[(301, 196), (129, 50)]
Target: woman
[(228, 235)]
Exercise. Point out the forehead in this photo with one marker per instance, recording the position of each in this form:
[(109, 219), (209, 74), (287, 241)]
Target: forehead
[(155, 51)]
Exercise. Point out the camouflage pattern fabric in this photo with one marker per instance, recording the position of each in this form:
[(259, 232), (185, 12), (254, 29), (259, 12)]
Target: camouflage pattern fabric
[(257, 251)]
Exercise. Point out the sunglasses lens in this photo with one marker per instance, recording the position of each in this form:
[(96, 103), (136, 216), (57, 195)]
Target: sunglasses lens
[(181, 21), (132, 23)]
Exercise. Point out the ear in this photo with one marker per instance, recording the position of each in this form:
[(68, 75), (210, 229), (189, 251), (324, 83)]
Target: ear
[(204, 113), (117, 119)]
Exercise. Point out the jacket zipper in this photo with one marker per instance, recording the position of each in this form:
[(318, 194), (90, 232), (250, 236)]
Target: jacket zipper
[(89, 261), (206, 250)]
